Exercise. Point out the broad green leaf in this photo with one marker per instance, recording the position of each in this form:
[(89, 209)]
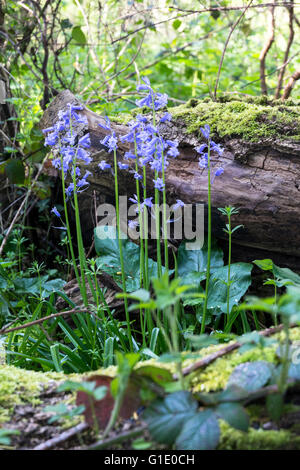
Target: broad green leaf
[(78, 35), (234, 414), (240, 278), (251, 375), (201, 432), (283, 274), (15, 171), (264, 264), (107, 247), (166, 417), (192, 263)]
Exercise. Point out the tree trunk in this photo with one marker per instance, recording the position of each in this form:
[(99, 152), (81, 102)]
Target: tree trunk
[(261, 178)]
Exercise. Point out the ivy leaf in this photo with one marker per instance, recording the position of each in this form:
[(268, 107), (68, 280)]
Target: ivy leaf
[(165, 417), (201, 432), (251, 375), (240, 278), (234, 414), (192, 263)]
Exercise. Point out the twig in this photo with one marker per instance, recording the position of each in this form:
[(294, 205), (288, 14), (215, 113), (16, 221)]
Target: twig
[(116, 439), (265, 50), (226, 44), (226, 350), (291, 83), (287, 51), (62, 437), (4, 331), (20, 208)]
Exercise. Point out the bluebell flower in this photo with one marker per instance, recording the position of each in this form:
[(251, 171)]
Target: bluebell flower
[(137, 176), (70, 189), (148, 202), (55, 211), (51, 139), (205, 131), (84, 156), (201, 148), (166, 117), (173, 152), (132, 224), (203, 161), (129, 155), (110, 141), (107, 125), (85, 141), (216, 148), (103, 165), (81, 183), (178, 204), (218, 172), (123, 166), (159, 184)]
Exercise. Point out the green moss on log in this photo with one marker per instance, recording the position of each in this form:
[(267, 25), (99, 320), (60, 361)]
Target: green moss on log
[(251, 121), (249, 118)]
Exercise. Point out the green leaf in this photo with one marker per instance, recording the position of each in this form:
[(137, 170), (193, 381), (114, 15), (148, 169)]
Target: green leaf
[(240, 278), (157, 374), (176, 24), (192, 263), (201, 432), (251, 375), (107, 247), (283, 274), (165, 417), (15, 171), (264, 264), (78, 35), (234, 414)]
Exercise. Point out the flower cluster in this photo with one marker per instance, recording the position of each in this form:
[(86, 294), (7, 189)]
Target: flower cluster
[(69, 147), (148, 147), (210, 146)]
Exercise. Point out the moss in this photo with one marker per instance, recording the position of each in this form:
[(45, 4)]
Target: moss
[(252, 120), (257, 439), (19, 386), (215, 376)]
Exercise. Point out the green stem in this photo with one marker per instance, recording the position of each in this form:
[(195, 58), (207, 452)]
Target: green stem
[(208, 243), (121, 251), (229, 265)]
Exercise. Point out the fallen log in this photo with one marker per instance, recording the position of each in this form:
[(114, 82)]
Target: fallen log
[(261, 160)]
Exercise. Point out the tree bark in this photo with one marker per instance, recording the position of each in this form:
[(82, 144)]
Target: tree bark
[(260, 178)]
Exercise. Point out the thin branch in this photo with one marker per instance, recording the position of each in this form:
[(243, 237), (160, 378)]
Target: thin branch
[(291, 83), (62, 437), (265, 50), (4, 331), (287, 51), (205, 361), (226, 44), (20, 208)]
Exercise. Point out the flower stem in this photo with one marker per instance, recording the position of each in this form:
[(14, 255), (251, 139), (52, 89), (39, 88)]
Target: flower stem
[(121, 250), (208, 244)]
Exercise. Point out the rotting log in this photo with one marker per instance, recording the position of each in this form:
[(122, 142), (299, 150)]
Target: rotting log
[(261, 175)]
